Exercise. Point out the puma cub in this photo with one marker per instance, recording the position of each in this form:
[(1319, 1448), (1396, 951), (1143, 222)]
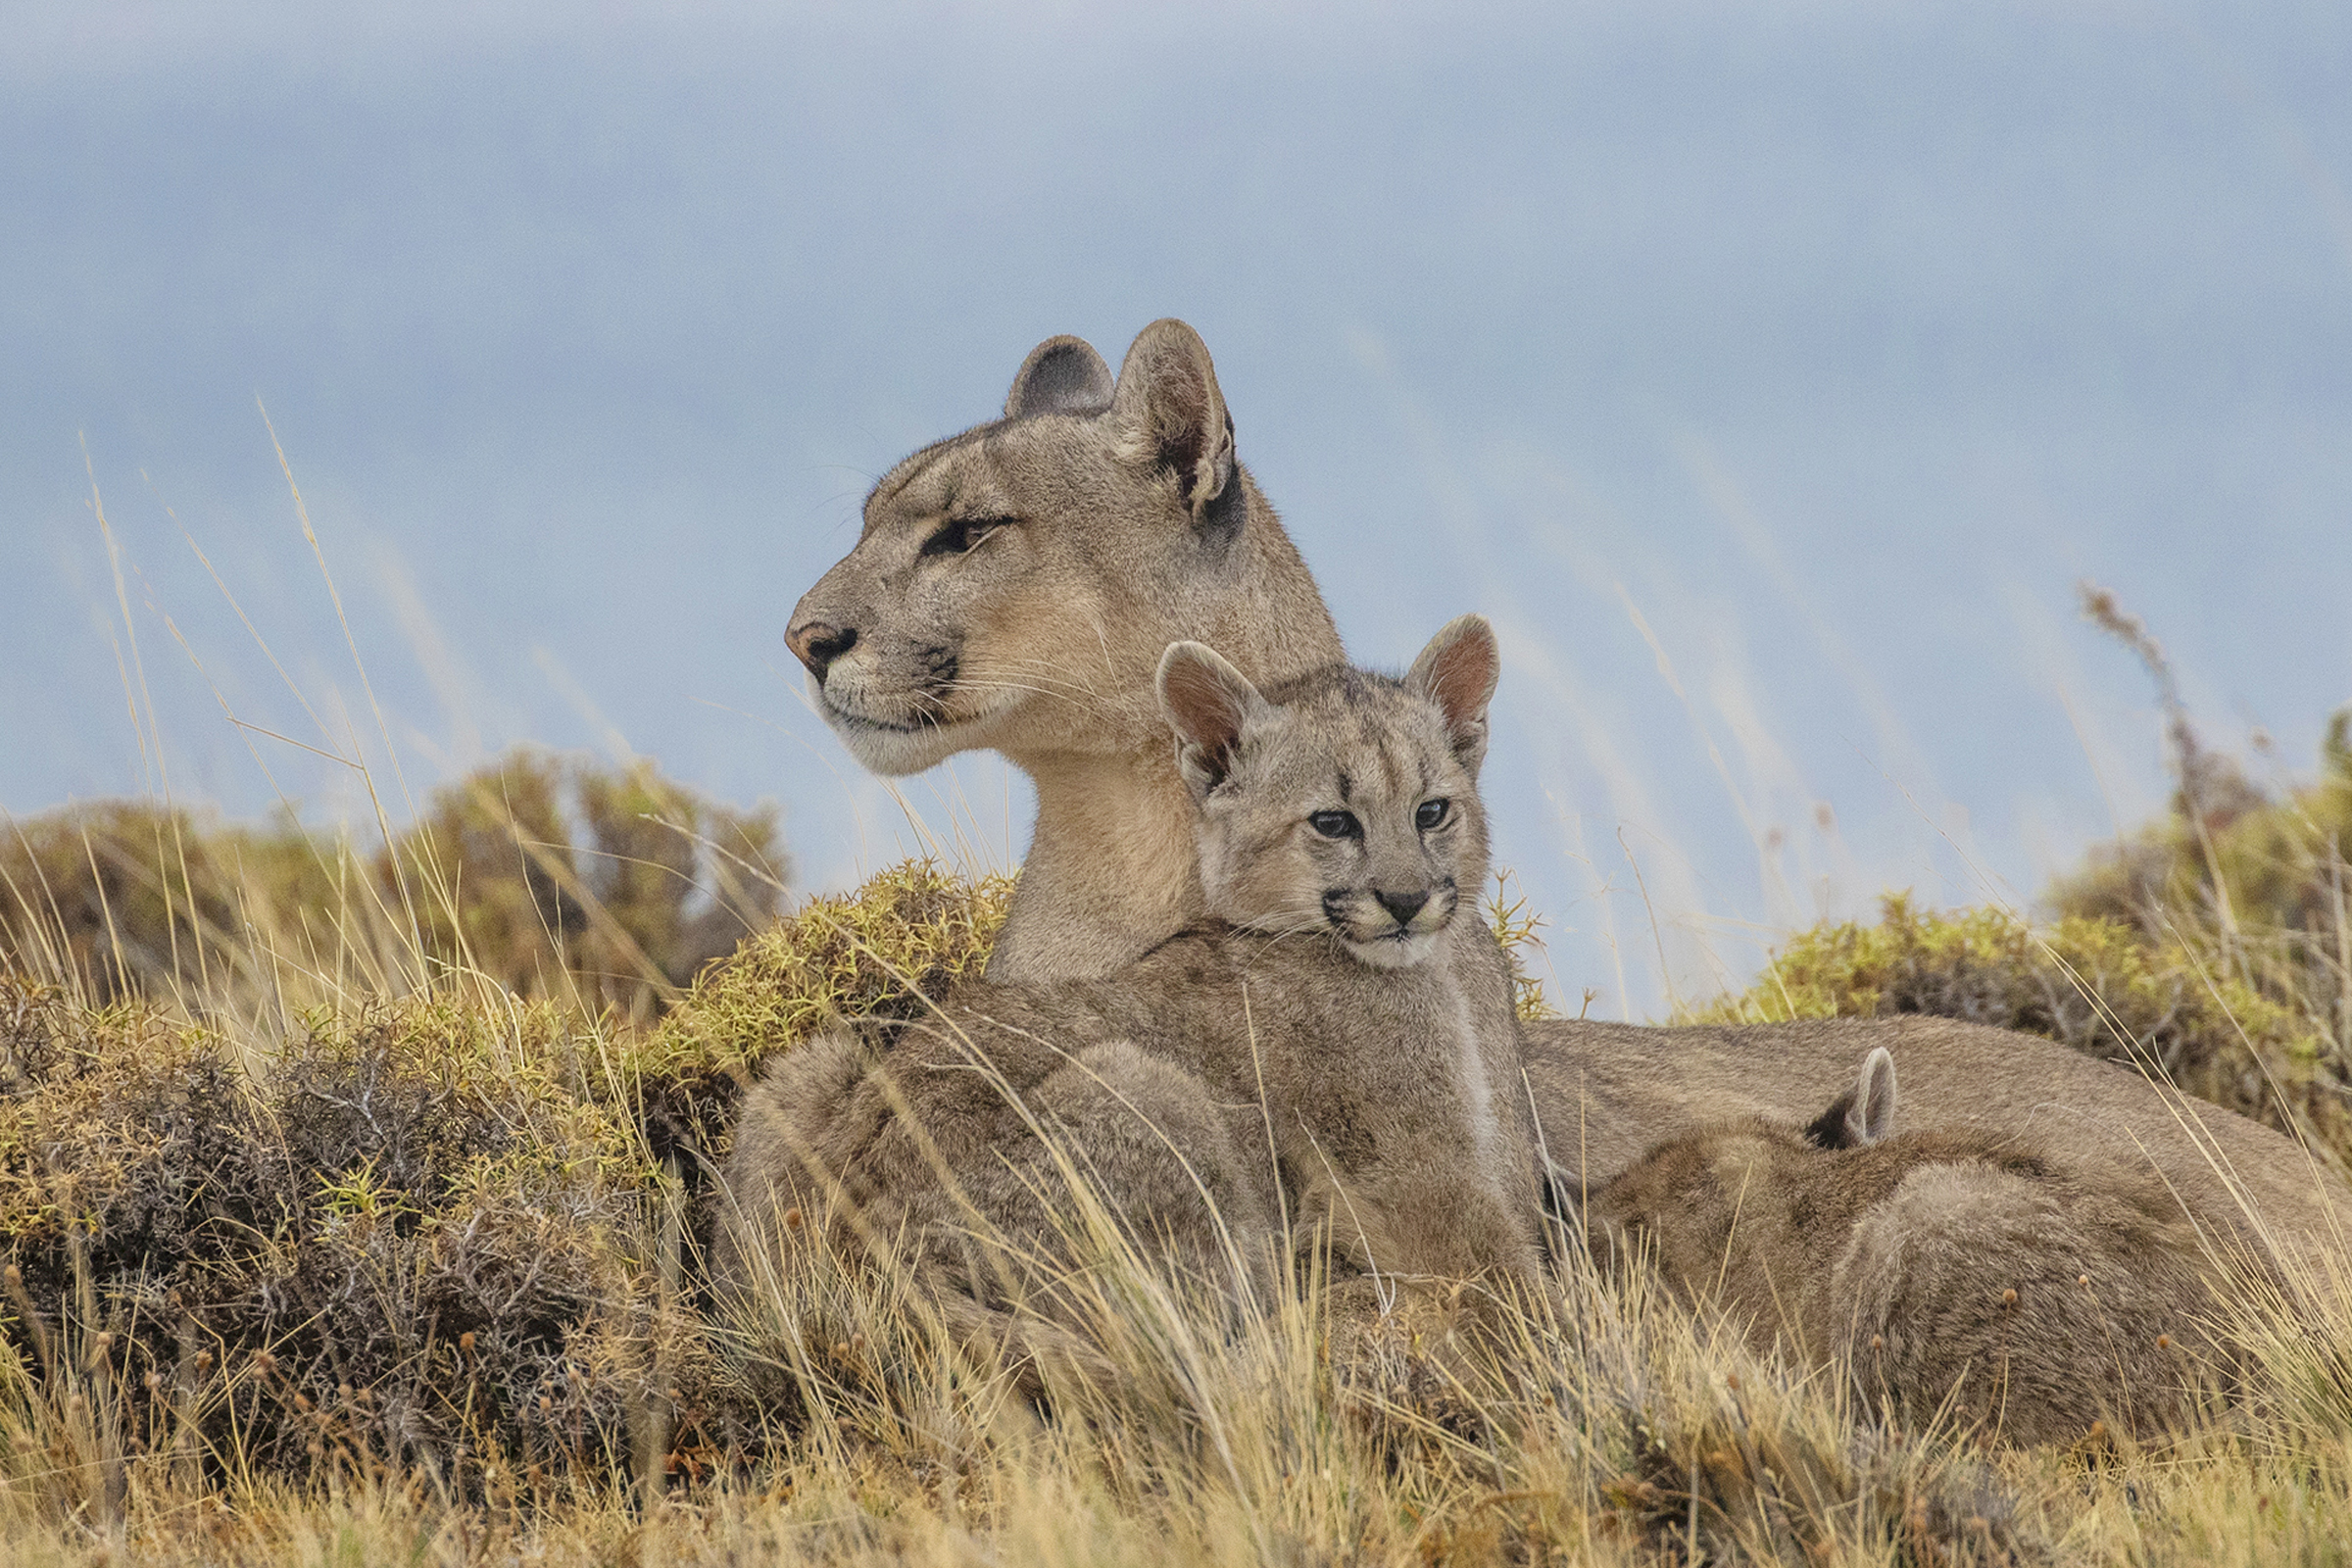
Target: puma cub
[(1336, 1048), (2027, 1295)]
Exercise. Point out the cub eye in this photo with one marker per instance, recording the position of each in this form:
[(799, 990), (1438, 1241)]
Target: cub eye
[(959, 536), (1335, 824), (1432, 813)]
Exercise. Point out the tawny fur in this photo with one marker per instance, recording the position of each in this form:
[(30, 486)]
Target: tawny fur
[(2018, 1294), (1137, 526), (1126, 525), (1336, 1046)]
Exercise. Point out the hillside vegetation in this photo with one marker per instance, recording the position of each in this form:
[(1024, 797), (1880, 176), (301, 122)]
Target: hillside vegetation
[(593, 885), (354, 1204)]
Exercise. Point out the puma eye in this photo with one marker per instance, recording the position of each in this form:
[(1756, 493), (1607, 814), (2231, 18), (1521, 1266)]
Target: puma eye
[(1432, 813), (959, 536), (1335, 824)]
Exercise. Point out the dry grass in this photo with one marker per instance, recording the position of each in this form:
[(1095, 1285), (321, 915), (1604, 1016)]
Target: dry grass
[(354, 1206), (416, 1282)]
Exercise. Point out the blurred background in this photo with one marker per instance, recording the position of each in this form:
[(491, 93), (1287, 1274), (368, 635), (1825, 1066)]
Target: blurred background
[(1771, 376)]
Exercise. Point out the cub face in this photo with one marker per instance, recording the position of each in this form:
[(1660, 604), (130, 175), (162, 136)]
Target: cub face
[(1014, 586), (1343, 803)]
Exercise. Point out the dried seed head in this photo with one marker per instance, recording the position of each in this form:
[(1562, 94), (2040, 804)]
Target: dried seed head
[(13, 1277), (204, 1360), (2009, 1297), (793, 1219), (576, 1376), (2164, 1342), (546, 1404), (465, 1342), (1878, 1342), (343, 1391), (263, 1363), (2082, 1279), (101, 1343), (154, 1381), (1731, 1380), (302, 1402)]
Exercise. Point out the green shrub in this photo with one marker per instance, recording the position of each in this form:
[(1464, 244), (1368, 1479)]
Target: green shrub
[(2260, 881), (423, 1233), (906, 933), (557, 879), (412, 1237), (543, 878)]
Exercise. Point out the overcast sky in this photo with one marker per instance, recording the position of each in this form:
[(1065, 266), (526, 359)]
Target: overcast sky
[(1770, 375)]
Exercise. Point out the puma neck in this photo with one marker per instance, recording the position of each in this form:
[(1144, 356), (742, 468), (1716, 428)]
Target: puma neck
[(1111, 866)]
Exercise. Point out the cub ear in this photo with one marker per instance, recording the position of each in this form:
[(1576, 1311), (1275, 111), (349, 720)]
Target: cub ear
[(1205, 701), (1864, 1113), (1061, 376), (1170, 412), (1873, 1114), (1457, 671)]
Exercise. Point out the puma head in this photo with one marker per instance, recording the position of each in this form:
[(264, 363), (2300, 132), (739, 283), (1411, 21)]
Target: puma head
[(1688, 1198), (1342, 802), (1014, 586)]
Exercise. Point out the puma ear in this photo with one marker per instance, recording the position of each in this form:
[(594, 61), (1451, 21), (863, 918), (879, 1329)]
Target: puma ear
[(1170, 412), (1871, 1118), (1864, 1113), (1457, 671), (1061, 376), (1205, 701)]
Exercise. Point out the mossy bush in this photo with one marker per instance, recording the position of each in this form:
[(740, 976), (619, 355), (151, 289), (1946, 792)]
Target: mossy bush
[(429, 1232), (904, 936), (570, 878), (543, 876), (2257, 878), (415, 1236)]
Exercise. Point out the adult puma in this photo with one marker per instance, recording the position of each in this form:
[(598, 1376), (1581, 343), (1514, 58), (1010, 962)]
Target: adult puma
[(1012, 589)]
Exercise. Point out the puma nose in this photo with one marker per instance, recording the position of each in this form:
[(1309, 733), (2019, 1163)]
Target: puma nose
[(817, 645), (1403, 906)]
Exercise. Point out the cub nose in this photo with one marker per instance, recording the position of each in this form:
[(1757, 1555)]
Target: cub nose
[(817, 645), (1403, 906)]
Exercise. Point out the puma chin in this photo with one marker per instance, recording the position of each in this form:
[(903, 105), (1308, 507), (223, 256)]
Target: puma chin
[(1374, 935), (900, 738)]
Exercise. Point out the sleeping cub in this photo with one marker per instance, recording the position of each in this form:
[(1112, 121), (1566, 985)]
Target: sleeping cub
[(2025, 1295)]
